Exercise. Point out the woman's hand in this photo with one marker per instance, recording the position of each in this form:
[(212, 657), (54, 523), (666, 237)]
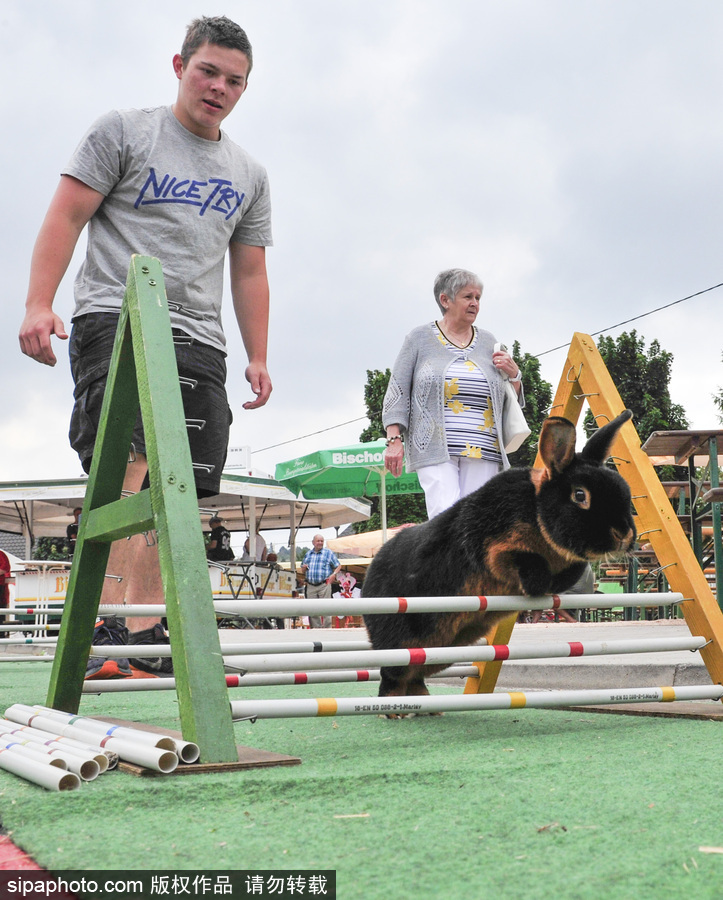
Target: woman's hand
[(504, 363), (394, 458)]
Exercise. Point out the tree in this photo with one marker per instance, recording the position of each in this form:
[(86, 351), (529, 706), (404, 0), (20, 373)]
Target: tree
[(718, 400), (52, 549), (400, 509), (642, 379), (374, 391)]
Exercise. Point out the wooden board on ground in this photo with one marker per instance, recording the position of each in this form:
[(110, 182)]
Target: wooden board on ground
[(691, 709), (248, 757)]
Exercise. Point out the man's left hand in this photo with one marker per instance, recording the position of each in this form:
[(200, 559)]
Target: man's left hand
[(258, 377)]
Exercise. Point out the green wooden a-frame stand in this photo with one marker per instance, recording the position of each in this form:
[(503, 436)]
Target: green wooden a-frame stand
[(143, 368)]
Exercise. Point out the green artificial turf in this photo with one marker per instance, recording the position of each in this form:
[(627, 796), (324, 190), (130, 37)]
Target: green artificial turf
[(503, 804)]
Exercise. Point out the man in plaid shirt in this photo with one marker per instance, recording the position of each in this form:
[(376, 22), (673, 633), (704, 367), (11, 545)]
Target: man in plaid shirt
[(321, 567)]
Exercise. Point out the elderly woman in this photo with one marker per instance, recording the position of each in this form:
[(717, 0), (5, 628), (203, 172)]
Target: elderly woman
[(446, 398)]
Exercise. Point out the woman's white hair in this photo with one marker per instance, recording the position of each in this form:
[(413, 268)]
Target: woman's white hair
[(451, 281)]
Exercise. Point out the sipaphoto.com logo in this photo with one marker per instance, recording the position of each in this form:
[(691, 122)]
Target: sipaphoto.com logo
[(367, 458)]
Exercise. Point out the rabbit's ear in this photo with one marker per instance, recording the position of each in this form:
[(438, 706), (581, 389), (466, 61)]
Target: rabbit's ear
[(557, 444), (597, 449)]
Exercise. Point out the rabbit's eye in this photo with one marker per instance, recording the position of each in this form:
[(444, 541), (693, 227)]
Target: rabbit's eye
[(581, 497)]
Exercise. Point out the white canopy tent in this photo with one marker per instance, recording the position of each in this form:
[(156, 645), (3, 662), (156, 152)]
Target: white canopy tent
[(45, 508)]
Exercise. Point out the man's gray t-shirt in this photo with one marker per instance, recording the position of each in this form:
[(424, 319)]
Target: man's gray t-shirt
[(173, 195)]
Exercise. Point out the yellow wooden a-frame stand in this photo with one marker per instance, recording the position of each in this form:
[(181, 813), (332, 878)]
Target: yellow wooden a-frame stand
[(143, 370), (585, 377)]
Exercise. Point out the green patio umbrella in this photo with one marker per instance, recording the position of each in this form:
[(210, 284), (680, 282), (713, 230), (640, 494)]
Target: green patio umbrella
[(353, 471)]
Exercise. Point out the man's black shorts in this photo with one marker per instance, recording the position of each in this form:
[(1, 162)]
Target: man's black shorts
[(91, 347)]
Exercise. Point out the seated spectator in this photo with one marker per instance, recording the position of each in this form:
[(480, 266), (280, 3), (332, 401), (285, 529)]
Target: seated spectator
[(219, 546), (260, 555), (71, 532)]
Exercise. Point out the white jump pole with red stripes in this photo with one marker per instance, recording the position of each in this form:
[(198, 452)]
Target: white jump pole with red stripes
[(263, 679), (323, 671), (359, 606), (423, 656), (276, 607), (425, 705), (426, 656), (226, 648)]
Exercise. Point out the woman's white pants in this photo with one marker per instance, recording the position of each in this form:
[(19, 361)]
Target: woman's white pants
[(443, 484)]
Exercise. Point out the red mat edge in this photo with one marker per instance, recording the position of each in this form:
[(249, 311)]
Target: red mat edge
[(12, 857)]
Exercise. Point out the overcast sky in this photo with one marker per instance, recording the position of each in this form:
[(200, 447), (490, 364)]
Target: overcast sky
[(568, 151)]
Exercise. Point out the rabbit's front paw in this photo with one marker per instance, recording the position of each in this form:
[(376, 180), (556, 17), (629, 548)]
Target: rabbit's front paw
[(534, 574)]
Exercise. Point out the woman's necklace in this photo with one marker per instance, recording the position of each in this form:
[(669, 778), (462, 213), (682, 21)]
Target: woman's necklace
[(460, 342)]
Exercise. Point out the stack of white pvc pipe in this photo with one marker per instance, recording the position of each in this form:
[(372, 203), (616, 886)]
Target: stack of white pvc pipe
[(48, 773), (105, 759), (57, 750), (49, 760), (186, 751)]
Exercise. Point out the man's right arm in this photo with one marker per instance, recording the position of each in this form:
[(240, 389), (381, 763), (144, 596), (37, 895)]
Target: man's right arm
[(70, 210)]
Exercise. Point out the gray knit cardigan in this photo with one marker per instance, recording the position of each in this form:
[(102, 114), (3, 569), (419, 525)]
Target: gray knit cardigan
[(415, 396)]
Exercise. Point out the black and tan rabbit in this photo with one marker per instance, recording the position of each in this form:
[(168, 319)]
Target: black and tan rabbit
[(527, 531)]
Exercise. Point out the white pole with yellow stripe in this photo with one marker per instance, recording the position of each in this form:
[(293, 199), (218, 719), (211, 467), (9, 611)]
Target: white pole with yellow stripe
[(425, 705)]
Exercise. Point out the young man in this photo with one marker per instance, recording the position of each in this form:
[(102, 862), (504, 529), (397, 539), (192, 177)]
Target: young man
[(164, 182), (71, 532), (219, 545)]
